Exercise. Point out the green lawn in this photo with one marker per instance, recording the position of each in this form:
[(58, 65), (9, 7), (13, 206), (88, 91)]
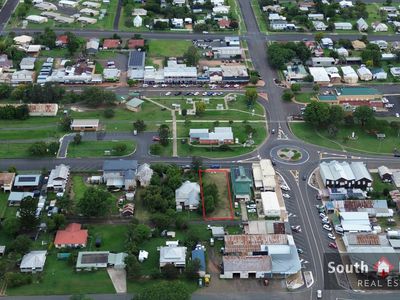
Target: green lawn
[(168, 48), (237, 14), (57, 52), (365, 142), (305, 97), (78, 186), (3, 203), (26, 134), (112, 237), (97, 148), (379, 186), (261, 21), (213, 152), (59, 277), (9, 150)]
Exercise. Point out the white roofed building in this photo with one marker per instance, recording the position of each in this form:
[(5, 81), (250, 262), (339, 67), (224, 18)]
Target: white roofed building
[(270, 204), (320, 76), (364, 73), (187, 196), (173, 254), (264, 175)]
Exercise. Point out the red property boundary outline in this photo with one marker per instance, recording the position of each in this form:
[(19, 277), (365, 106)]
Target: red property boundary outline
[(229, 194)]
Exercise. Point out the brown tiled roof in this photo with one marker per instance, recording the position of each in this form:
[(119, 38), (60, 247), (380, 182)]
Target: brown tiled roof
[(261, 263), (367, 239), (133, 43), (6, 178), (246, 243)]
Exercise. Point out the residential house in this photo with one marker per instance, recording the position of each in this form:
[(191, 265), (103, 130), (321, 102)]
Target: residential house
[(345, 4), (327, 43), (220, 135), (177, 22), (179, 2), (242, 183), (389, 9), (135, 43), (333, 73), (187, 196), (322, 61), (111, 44), (343, 26), (22, 77), (395, 71), (342, 52), (68, 3), (92, 46), (139, 12), (295, 72), (89, 12), (224, 23), (91, 4), (282, 25), (94, 260), (264, 175), (5, 63), (135, 104), (364, 73), (62, 41), (358, 45), (33, 262), (362, 25), (379, 74), (379, 27), (316, 17), (6, 181), (221, 10), (73, 236), (85, 125), (128, 210), (144, 174), (319, 25), (172, 254), (58, 178), (320, 76), (137, 21), (36, 19), (349, 75), (382, 44), (86, 20), (15, 198), (120, 173), (28, 182), (23, 40), (217, 232), (385, 174)]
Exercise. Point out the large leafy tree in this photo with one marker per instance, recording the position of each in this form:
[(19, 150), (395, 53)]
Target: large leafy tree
[(363, 115), (174, 290), (163, 133), (27, 212), (317, 114), (95, 203), (251, 96)]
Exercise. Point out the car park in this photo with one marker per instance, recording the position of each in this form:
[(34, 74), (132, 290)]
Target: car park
[(331, 236), (287, 196)]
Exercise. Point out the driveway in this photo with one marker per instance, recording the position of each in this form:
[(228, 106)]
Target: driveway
[(118, 278)]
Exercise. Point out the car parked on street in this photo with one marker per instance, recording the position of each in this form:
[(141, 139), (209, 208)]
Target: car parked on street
[(285, 187), (332, 245), (287, 196), (331, 236), (327, 227), (296, 228)]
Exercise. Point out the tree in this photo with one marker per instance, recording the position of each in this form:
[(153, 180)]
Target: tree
[(141, 233), (287, 95), (27, 212), (38, 149), (163, 133), (64, 203), (52, 147), (5, 91), (363, 115), (191, 56), (184, 112), (332, 130), (161, 221), (95, 96), (73, 43), (108, 113), (119, 148), (17, 279), (209, 204), (133, 267), (77, 139), (317, 114), (59, 220), (197, 163), (65, 123), (170, 272), (200, 108), (251, 96), (316, 87), (319, 36), (254, 79), (295, 87), (192, 269), (95, 203), (21, 244), (47, 38), (11, 226), (139, 125), (174, 290), (336, 114)]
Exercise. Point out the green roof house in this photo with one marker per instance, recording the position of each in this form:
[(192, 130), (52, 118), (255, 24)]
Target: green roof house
[(242, 183), (135, 104)]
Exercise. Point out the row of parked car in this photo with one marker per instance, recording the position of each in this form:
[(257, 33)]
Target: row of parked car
[(326, 225)]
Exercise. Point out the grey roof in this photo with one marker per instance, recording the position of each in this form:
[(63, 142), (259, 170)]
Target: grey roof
[(27, 180), (33, 260), (189, 192), (119, 165), (286, 263), (18, 196), (59, 172), (383, 170), (136, 59), (172, 254), (134, 102), (396, 178), (335, 170), (360, 170)]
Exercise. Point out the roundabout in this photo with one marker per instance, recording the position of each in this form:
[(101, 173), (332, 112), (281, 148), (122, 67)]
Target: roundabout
[(290, 155)]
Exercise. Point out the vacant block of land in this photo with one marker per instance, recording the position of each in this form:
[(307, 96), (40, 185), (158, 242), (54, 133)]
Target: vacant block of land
[(223, 208)]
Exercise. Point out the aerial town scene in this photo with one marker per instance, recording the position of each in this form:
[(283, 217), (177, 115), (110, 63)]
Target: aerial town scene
[(199, 149)]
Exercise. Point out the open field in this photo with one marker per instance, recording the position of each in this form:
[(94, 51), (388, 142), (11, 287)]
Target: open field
[(305, 97), (9, 150), (97, 148), (365, 142), (220, 178), (168, 48)]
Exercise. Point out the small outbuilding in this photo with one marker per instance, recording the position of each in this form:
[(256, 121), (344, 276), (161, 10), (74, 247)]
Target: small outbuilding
[(135, 104)]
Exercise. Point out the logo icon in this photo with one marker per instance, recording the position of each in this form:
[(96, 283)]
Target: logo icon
[(383, 267)]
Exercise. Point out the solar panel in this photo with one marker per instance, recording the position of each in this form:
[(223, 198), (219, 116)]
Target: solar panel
[(136, 59), (94, 258), (27, 179)]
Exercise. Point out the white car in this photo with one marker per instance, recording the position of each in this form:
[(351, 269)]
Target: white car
[(196, 93), (286, 196), (285, 187), (167, 93), (155, 86), (327, 227), (319, 294), (331, 236), (397, 115), (296, 228), (145, 85), (322, 215), (252, 210)]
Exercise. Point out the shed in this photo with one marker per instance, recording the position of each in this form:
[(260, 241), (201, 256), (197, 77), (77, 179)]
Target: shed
[(85, 125), (200, 255), (385, 174), (135, 104), (217, 232)]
